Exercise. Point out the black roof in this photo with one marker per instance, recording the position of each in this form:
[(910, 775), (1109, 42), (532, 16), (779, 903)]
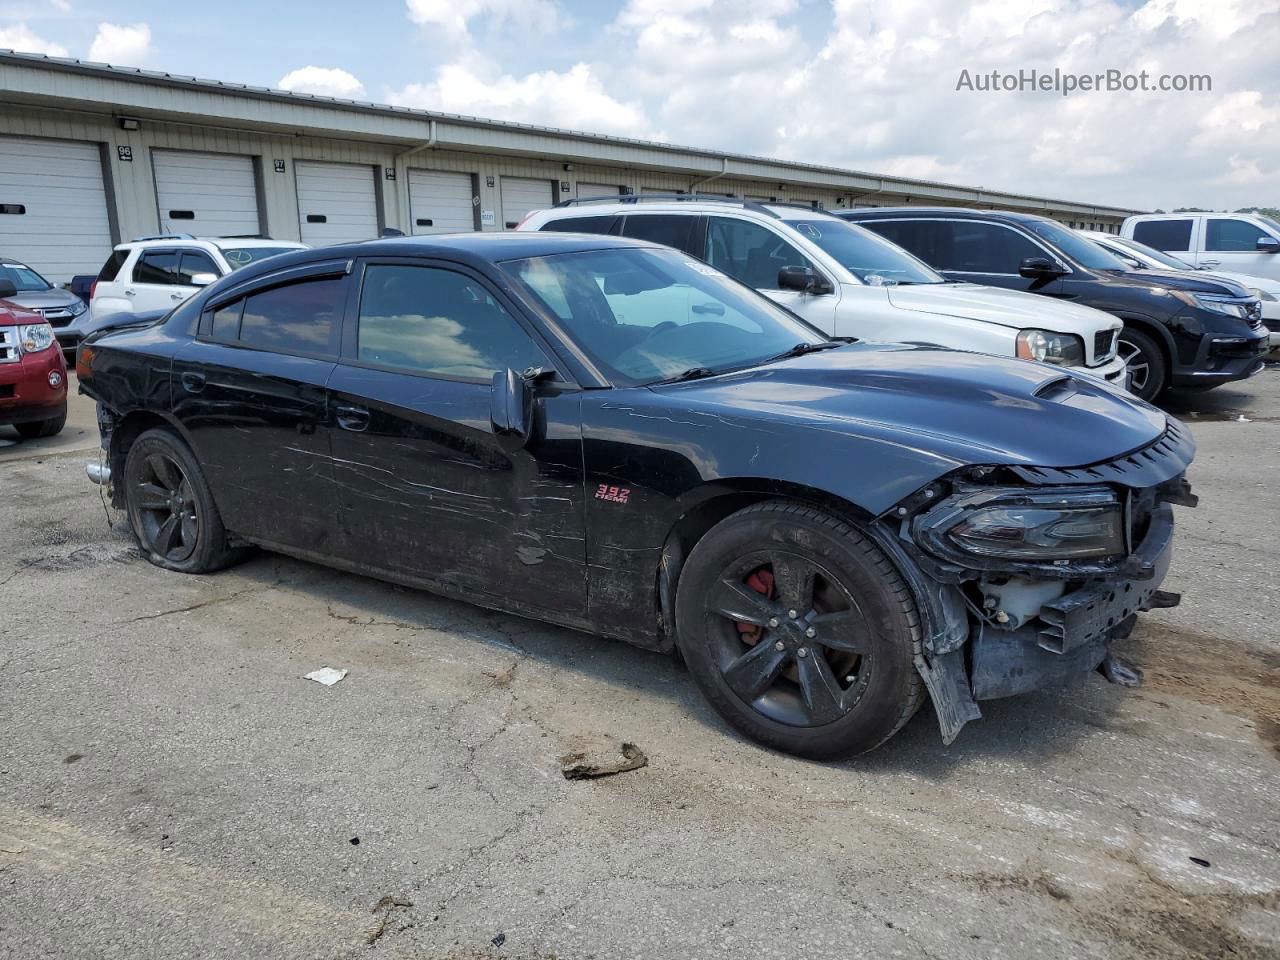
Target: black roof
[(874, 213), (476, 249)]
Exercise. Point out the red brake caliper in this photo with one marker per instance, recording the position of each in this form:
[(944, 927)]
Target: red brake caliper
[(761, 581)]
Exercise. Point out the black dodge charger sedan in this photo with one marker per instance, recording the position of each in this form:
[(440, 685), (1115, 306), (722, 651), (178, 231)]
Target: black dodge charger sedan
[(610, 435)]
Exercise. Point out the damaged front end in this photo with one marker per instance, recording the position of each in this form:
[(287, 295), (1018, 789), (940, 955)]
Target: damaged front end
[(1026, 575)]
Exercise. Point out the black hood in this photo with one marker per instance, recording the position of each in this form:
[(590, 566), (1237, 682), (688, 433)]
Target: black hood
[(1193, 282)]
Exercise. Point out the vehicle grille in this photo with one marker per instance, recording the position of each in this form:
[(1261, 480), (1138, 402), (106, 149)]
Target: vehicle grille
[(56, 316), (1104, 345), (9, 345)]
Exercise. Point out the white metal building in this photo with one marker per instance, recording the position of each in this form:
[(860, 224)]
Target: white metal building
[(92, 154)]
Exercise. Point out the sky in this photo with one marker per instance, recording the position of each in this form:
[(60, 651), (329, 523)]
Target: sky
[(883, 87)]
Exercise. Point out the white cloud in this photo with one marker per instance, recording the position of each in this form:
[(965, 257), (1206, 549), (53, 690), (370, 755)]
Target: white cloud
[(454, 16), (324, 81), (127, 46), (574, 99), (19, 37)]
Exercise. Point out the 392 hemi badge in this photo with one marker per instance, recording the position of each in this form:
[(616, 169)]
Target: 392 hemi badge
[(613, 494)]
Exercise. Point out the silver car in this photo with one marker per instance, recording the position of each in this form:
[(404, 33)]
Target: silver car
[(64, 311)]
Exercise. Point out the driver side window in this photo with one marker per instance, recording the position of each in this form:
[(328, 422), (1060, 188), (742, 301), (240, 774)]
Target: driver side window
[(750, 252)]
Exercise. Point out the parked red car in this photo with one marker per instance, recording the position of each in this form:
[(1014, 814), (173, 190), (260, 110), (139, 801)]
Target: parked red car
[(33, 374)]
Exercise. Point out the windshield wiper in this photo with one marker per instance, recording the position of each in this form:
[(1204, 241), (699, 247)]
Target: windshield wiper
[(693, 373), (800, 349)]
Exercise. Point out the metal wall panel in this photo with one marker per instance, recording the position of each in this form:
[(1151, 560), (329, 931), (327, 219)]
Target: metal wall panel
[(53, 206)]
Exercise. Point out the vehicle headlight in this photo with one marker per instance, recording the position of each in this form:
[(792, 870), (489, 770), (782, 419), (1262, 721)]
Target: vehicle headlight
[(1229, 306), (1013, 523), (77, 308), (35, 337), (1261, 294), (1064, 349)]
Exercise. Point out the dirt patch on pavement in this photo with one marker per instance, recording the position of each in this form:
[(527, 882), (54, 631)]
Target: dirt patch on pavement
[(1213, 671), (1149, 917)]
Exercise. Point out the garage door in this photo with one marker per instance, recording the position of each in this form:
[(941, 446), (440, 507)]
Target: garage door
[(520, 197), (206, 194), (53, 208), (336, 202), (598, 190), (441, 202)]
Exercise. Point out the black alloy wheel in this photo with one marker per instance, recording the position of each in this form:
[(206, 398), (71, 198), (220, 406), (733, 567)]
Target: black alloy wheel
[(788, 638), (167, 508), (1144, 362)]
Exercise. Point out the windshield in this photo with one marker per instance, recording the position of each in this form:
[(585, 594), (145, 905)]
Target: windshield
[(1084, 252), (238, 257), (872, 259), (1151, 253), (23, 277), (647, 315)]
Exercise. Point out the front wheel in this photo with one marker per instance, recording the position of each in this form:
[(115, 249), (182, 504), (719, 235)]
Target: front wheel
[(170, 507), (1144, 360), (42, 428), (800, 631)]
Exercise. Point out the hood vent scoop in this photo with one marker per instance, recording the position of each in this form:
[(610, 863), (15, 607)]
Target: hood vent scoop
[(1058, 390)]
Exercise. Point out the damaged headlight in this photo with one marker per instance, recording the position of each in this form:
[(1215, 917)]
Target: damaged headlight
[(1013, 523)]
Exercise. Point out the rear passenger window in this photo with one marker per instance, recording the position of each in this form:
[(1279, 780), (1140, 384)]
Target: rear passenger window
[(672, 231), (437, 321), (298, 318), (961, 246), (1164, 234), (157, 267), (580, 225)]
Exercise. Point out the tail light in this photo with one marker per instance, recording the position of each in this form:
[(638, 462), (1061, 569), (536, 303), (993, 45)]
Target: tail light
[(84, 362)]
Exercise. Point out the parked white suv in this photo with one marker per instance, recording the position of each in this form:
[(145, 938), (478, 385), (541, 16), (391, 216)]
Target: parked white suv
[(157, 273), (1142, 257), (847, 281), (1240, 242)]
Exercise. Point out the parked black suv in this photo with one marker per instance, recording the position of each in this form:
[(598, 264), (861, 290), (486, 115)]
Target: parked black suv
[(610, 435), (1179, 331)]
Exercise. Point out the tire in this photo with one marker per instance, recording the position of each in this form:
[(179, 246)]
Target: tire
[(1144, 359), (42, 428), (170, 508), (733, 606)]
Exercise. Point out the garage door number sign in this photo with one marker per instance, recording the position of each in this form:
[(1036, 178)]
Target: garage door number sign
[(124, 153)]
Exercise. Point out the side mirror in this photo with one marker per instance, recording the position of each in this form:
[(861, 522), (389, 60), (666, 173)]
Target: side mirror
[(511, 408), (7, 289), (203, 279), (1267, 245), (803, 279), (1040, 268)]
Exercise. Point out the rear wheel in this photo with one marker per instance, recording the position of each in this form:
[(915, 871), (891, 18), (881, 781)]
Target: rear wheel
[(799, 631), (1144, 360), (42, 428), (170, 508)]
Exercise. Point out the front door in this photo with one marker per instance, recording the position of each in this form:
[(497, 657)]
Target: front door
[(426, 489), (250, 393), (754, 254)]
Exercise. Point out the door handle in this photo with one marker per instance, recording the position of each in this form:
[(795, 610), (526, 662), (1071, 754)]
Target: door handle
[(131, 293), (355, 419), (1210, 263), (193, 382), (177, 296)]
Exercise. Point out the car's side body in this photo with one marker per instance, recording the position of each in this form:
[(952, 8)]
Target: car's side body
[(985, 319), (353, 460), (1201, 347), (1246, 243)]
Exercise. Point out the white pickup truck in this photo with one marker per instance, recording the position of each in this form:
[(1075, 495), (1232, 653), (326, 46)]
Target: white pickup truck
[(1237, 242)]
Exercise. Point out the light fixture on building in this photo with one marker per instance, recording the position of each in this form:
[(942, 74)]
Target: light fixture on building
[(129, 123), (568, 166)]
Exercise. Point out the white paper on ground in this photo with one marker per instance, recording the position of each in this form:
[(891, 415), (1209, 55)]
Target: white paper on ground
[(326, 675)]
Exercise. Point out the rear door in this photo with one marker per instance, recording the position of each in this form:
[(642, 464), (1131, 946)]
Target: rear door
[(1231, 243), (154, 281), (250, 392), (426, 489), (1175, 235)]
